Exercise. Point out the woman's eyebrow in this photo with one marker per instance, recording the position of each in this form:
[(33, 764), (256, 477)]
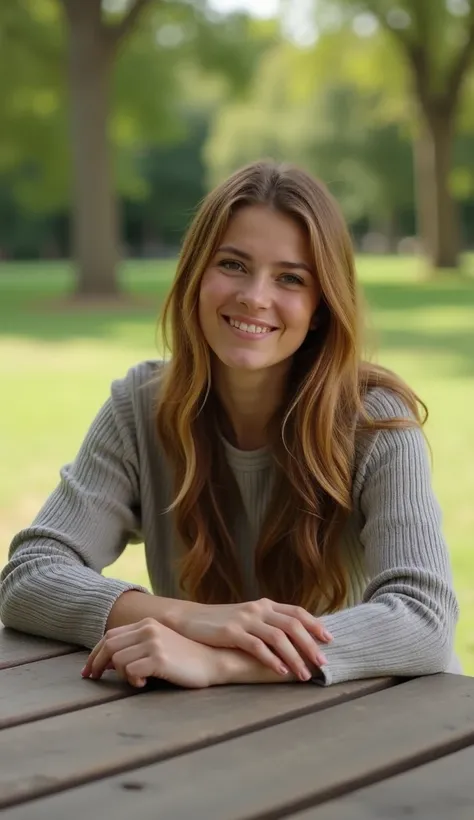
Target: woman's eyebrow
[(245, 255)]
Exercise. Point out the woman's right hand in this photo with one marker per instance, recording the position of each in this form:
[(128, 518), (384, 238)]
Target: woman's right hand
[(278, 635)]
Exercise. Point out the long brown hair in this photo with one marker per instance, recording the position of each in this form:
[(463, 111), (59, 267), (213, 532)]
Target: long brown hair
[(314, 436)]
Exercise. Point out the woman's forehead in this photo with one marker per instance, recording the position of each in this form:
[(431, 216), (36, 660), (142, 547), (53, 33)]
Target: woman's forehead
[(258, 229)]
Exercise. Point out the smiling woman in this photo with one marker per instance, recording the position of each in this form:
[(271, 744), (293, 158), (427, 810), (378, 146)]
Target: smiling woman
[(280, 482)]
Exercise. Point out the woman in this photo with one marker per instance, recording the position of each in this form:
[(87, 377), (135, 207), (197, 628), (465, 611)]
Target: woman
[(280, 483)]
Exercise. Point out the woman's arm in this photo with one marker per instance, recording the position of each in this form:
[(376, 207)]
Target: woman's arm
[(406, 623), (148, 649), (52, 584)]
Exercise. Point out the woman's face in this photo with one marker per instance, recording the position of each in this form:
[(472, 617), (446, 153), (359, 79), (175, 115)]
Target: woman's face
[(259, 293)]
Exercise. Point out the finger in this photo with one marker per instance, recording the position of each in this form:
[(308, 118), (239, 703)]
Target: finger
[(280, 643), (110, 647), (131, 654), (90, 660), (259, 650), (309, 621), (300, 637), (111, 633), (137, 672)]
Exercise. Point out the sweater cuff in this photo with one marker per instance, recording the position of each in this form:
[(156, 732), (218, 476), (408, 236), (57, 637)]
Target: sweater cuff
[(95, 622), (322, 676)]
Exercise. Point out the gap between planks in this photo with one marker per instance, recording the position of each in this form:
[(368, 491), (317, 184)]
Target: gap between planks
[(433, 791), (46, 762), (19, 648), (50, 687), (269, 774)]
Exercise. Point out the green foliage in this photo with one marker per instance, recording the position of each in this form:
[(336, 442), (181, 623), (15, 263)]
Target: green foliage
[(432, 31), (174, 175), (173, 40), (299, 109), (33, 116)]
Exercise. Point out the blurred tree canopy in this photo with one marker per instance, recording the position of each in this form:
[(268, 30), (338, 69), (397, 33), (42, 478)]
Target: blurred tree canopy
[(435, 40), (116, 115), (381, 78), (82, 107), (299, 109)]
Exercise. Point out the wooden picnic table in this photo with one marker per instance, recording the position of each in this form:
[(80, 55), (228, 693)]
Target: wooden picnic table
[(383, 748)]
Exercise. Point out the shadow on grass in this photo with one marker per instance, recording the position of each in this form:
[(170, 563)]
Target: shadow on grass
[(455, 350), (417, 296), (37, 317)]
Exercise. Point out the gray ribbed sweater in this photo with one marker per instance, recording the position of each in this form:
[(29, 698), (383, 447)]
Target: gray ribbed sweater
[(401, 612)]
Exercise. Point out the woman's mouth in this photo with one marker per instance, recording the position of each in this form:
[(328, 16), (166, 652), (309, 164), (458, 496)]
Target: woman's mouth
[(249, 329)]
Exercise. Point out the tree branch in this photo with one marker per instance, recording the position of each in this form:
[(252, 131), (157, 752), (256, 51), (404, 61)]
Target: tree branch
[(415, 51), (118, 31), (461, 64)]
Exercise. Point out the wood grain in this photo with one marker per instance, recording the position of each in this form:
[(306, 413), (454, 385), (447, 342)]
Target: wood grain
[(265, 774), (436, 791), (60, 751), (17, 648), (51, 687)]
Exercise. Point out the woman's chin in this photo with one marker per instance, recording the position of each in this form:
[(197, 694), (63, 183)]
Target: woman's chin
[(247, 361)]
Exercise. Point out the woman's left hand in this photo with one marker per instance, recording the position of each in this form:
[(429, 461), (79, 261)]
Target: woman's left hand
[(149, 649)]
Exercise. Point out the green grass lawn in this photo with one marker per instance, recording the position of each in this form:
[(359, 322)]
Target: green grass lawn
[(56, 366)]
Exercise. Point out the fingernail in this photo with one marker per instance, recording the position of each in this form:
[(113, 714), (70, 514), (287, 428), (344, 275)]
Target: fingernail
[(305, 674), (83, 672), (322, 660), (327, 635), (284, 670)]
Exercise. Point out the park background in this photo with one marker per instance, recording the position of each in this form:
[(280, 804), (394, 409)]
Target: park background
[(116, 118)]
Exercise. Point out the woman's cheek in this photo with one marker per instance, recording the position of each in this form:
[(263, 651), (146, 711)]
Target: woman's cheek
[(215, 289)]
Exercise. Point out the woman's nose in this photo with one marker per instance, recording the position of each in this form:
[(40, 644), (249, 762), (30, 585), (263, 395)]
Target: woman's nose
[(255, 294)]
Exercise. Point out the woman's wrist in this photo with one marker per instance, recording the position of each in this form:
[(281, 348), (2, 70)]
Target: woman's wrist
[(133, 606), (236, 666)]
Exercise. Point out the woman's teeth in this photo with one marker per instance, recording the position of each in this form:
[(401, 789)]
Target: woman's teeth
[(249, 328)]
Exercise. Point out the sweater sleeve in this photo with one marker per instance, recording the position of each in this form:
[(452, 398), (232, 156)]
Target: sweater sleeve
[(52, 584), (406, 622)]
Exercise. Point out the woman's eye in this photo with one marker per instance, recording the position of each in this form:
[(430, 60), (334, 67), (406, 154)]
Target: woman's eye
[(292, 279), (231, 264)]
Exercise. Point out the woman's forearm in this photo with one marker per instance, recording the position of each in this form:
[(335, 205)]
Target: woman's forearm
[(133, 606), (233, 665)]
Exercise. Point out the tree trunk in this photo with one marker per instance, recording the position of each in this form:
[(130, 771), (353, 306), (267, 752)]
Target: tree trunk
[(95, 222), (437, 211)]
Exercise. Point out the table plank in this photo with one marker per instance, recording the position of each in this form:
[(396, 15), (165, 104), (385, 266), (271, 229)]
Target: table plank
[(68, 749), (273, 771), (51, 687), (436, 791), (17, 648)]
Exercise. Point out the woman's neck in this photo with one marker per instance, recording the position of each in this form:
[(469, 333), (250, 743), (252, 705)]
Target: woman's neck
[(250, 400)]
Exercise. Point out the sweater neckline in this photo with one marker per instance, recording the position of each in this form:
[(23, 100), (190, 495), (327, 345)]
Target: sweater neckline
[(247, 460)]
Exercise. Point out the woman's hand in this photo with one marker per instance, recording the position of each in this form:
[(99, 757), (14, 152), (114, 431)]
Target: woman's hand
[(277, 635), (149, 649)]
